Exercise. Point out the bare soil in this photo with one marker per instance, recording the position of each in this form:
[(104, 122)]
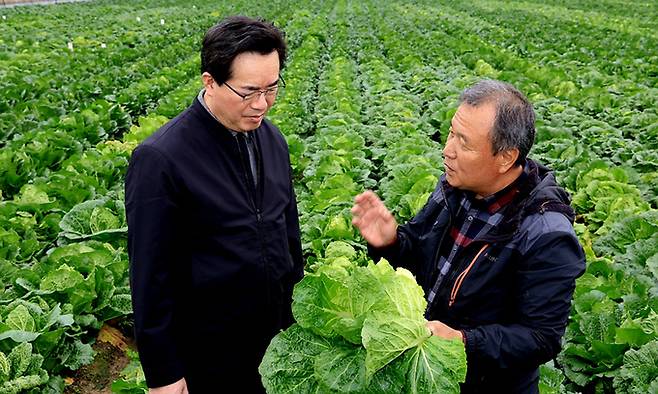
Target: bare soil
[(109, 361)]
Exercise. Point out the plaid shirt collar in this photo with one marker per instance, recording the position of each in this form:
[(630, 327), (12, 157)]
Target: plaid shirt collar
[(473, 219), (476, 217), (497, 201)]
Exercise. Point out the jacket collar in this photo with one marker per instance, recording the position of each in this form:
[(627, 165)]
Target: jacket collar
[(538, 193)]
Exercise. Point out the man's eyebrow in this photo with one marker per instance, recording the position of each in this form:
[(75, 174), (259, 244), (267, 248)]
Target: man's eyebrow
[(251, 87), (458, 134)]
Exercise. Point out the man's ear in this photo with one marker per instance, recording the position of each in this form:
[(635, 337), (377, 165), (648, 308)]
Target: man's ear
[(506, 159), (207, 80)]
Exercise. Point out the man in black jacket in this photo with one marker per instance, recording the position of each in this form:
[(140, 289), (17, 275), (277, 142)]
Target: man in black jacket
[(493, 248), (213, 230)]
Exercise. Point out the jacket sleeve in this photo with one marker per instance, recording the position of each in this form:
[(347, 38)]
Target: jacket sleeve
[(405, 251), (296, 254), (294, 236), (152, 215), (545, 283)]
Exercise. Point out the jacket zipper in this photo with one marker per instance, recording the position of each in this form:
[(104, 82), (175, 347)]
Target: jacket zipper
[(251, 192), (460, 279), (249, 183)]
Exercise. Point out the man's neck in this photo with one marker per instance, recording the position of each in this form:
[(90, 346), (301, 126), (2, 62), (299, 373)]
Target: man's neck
[(505, 180), (214, 114)]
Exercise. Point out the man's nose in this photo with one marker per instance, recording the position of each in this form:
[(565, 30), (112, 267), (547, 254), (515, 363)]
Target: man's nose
[(448, 150), (260, 102)]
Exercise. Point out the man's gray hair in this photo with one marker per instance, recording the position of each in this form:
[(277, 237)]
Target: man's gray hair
[(514, 124)]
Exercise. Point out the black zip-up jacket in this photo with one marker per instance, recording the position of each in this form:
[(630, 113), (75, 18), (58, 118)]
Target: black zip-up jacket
[(213, 257), (514, 300)]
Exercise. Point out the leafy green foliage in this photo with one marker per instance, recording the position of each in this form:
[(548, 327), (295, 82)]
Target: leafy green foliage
[(639, 374), (551, 380), (360, 104), (436, 366), (100, 219), (132, 380), (360, 329), (615, 304), (21, 370), (288, 365)]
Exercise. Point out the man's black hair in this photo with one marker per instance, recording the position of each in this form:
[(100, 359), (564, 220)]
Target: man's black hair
[(514, 124), (235, 35)]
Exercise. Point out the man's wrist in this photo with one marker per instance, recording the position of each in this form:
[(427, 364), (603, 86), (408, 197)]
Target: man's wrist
[(393, 240)]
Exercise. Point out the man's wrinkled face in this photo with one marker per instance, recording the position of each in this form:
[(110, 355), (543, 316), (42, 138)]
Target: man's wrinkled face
[(468, 158), (251, 72)]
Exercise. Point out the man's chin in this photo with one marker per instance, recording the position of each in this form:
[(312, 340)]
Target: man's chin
[(450, 178), (252, 122), (250, 126)]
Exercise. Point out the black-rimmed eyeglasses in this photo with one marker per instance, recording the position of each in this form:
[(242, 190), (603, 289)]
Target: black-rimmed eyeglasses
[(268, 93)]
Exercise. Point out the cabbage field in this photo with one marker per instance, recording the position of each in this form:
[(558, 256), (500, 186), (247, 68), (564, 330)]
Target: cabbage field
[(371, 87)]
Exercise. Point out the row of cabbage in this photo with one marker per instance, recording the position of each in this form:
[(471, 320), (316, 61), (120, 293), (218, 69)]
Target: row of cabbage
[(363, 102), (63, 261), (360, 325), (611, 338), (65, 91)]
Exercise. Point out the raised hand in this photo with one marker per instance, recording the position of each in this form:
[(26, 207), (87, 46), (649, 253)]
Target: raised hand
[(376, 223)]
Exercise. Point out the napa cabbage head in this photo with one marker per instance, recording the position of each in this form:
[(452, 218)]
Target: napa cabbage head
[(361, 329)]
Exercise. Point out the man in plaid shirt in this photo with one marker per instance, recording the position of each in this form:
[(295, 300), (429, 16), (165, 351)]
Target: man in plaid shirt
[(494, 247)]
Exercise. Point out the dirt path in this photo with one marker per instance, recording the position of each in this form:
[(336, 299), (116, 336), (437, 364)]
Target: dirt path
[(110, 360)]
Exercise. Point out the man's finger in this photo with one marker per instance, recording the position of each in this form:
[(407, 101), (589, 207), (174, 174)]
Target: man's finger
[(361, 197), (356, 222), (383, 212), (368, 197)]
